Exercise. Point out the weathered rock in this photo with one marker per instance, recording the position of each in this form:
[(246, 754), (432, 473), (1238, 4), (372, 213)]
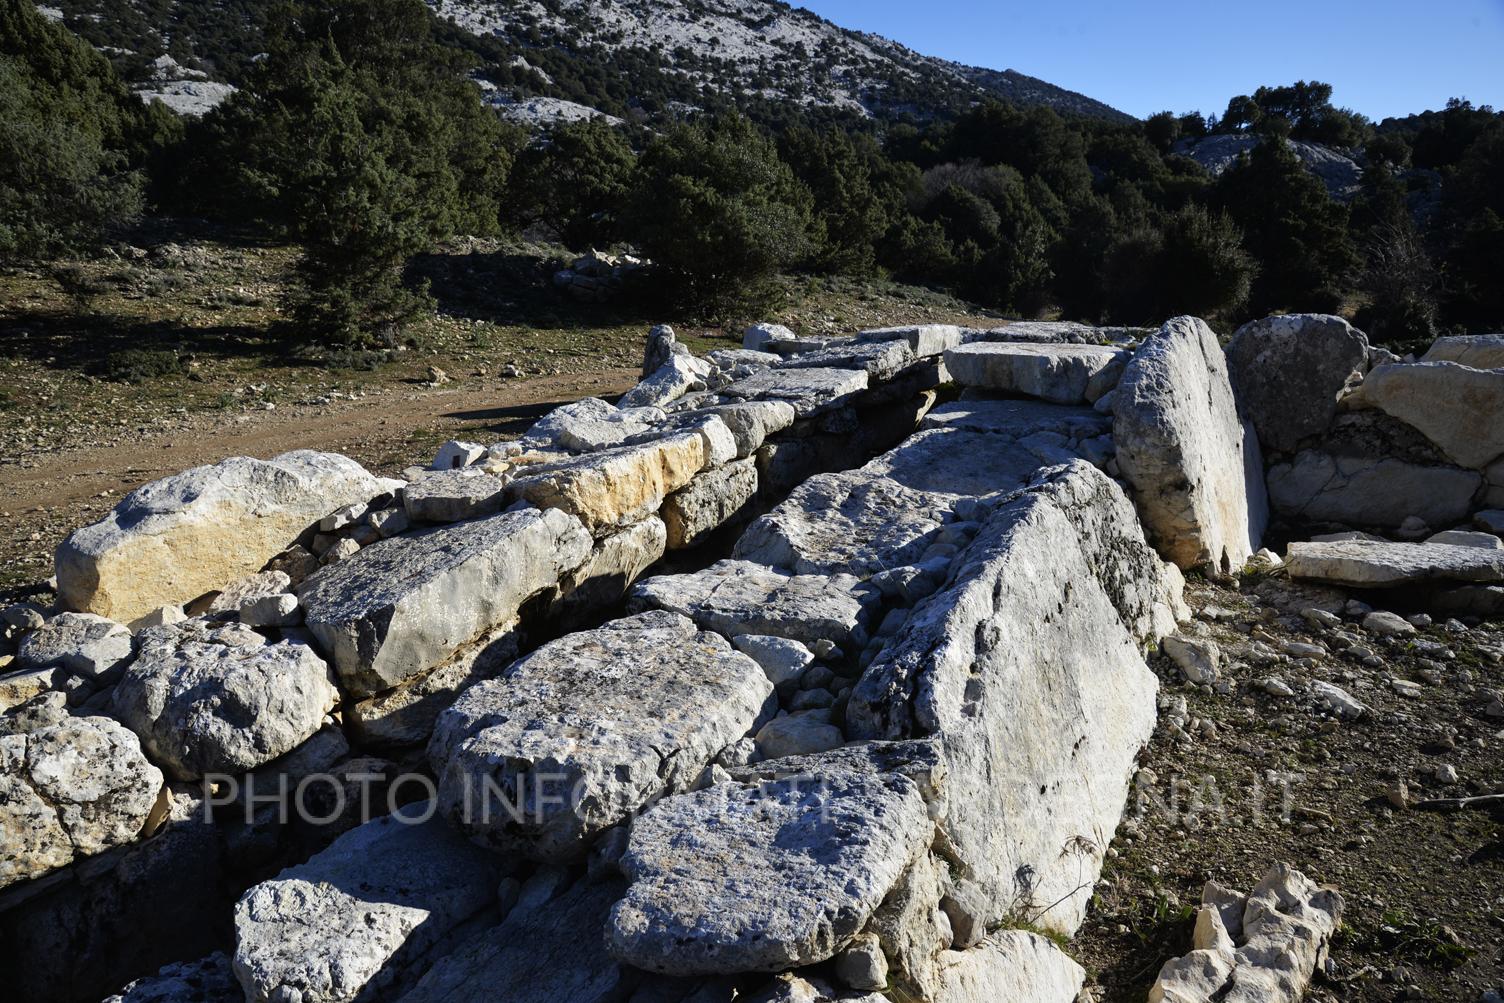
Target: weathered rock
[(923, 339), (207, 980), (1490, 521), (1466, 538), (1058, 373), (670, 381), (346, 924), (452, 455), (69, 791), (1027, 669), (1287, 373), (1459, 408), (888, 513), (760, 337), (661, 345), (739, 597), (249, 589), (751, 422), (219, 699), (453, 496), (549, 949), (1009, 965), (81, 644), (1364, 564), (1318, 487), (880, 360), (589, 425), (1196, 476), (809, 391), (803, 733), (862, 965), (783, 660), (1019, 418), (615, 487), (406, 604), (272, 611), (616, 562), (1478, 351), (1286, 925), (178, 538), (587, 730), (1198, 658), (743, 877), (1041, 332), (713, 499)]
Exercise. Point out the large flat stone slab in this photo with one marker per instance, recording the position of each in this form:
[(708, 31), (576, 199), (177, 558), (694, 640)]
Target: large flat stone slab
[(1028, 669), (1288, 371), (616, 487), (407, 604), (1057, 373), (350, 922), (589, 425), (1195, 470), (1459, 408), (1369, 564), (880, 360), (740, 597), (69, 791), (175, 539), (923, 339), (206, 698), (763, 877), (589, 729), (810, 391), (1479, 351), (1019, 418)]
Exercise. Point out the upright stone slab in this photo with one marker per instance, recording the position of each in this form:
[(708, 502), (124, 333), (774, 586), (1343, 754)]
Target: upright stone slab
[(406, 604), (619, 486), (1459, 408), (923, 339), (739, 597), (1184, 450), (1287, 373), (713, 499), (68, 791), (1028, 670), (175, 539), (764, 877), (1010, 965), (1057, 373), (219, 699), (589, 729), (351, 922)]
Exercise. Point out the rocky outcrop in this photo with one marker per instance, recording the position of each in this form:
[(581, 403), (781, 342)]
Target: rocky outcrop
[(178, 538), (588, 730), (349, 923), (616, 487), (68, 791), (1288, 373), (406, 604), (1193, 465), (219, 699)]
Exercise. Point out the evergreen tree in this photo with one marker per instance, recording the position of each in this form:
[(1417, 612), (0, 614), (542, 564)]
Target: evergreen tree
[(719, 213), (362, 139), (577, 179)]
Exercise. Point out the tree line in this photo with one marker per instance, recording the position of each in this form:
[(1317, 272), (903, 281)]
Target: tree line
[(360, 136)]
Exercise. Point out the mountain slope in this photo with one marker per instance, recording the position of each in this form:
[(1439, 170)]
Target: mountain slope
[(644, 59)]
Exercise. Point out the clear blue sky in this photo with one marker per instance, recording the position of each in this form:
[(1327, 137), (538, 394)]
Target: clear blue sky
[(1382, 57)]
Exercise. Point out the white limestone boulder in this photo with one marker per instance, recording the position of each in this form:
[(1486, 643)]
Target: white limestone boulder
[(1288, 372), (589, 425), (713, 499), (1009, 965), (809, 391), (1194, 468), (84, 645), (1370, 564), (1459, 408), (589, 729), (923, 339), (453, 496), (68, 791), (1478, 351), (618, 486), (206, 698), (351, 922), (407, 604), (175, 539)]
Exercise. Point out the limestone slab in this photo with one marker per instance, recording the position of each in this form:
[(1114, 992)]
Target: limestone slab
[(1058, 373)]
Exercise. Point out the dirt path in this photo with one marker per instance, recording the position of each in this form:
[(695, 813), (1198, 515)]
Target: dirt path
[(386, 429)]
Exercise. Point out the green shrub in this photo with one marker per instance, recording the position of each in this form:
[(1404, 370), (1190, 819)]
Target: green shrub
[(137, 365)]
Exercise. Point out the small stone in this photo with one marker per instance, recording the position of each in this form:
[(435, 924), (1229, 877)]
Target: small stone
[(341, 550), (1446, 774), (1387, 624), (799, 734), (1198, 658), (782, 659), (862, 965)]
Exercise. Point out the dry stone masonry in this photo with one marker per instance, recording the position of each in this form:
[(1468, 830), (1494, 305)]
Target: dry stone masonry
[(809, 670)]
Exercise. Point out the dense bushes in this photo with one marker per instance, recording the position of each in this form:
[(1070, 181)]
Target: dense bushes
[(358, 135)]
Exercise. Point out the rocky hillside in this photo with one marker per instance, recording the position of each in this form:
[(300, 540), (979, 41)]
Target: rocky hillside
[(628, 58)]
